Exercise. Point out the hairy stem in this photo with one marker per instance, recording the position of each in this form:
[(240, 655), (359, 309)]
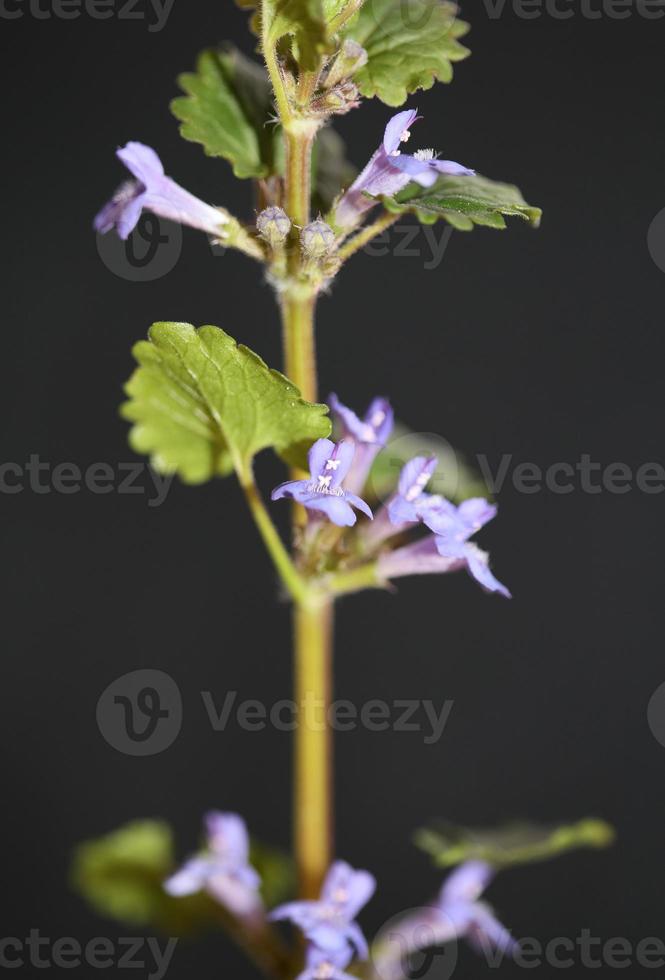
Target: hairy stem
[(312, 616)]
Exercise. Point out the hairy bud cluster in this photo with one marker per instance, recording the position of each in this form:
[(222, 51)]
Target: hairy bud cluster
[(317, 239)]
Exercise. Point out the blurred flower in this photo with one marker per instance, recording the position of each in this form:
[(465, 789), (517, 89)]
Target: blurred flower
[(223, 870), (156, 192), (457, 914), (368, 434), (322, 965), (389, 171), (329, 464), (329, 921)]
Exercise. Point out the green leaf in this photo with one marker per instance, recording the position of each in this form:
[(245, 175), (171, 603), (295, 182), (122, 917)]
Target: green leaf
[(516, 843), (464, 202), (453, 479), (410, 45), (331, 171), (227, 108), (203, 405), (121, 876), (277, 872)]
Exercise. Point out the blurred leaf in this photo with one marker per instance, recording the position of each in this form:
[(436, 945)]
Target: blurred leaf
[(464, 202), (410, 45), (277, 872), (331, 171), (227, 108), (453, 479), (121, 876), (516, 843), (203, 405)]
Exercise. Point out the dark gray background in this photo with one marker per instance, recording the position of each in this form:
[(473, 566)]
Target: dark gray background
[(543, 345)]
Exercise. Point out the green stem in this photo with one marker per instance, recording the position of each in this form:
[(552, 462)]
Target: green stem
[(363, 577), (289, 574), (366, 235), (313, 791)]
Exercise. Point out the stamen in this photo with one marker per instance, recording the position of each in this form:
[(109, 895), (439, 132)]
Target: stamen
[(406, 136), (424, 155), (332, 464), (378, 418)]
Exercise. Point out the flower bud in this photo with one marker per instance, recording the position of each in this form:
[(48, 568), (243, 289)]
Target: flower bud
[(317, 238), (350, 58), (274, 225)]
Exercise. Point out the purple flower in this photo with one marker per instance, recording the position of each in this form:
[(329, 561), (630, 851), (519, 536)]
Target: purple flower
[(329, 463), (390, 170), (223, 870), (153, 190), (329, 921), (457, 914), (322, 965), (449, 548), (368, 434)]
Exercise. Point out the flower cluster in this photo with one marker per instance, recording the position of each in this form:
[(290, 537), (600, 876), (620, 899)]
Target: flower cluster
[(339, 474), (334, 938)]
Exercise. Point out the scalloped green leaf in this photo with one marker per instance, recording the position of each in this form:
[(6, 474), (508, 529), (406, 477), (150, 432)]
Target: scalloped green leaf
[(410, 45), (203, 405), (515, 843), (227, 108), (464, 202)]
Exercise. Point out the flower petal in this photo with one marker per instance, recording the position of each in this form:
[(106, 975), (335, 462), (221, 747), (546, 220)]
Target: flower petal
[(191, 877), (292, 488), (335, 507), (466, 883), (476, 512), (142, 161), (415, 476), (478, 564), (398, 124), (320, 452), (359, 504), (227, 835)]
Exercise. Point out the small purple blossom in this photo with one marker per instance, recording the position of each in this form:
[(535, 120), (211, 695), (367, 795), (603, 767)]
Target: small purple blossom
[(322, 965), (449, 548), (369, 435), (329, 464), (156, 192), (223, 870), (328, 922), (389, 171), (457, 914)]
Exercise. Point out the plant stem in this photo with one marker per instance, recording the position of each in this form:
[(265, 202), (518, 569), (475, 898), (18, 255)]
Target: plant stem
[(313, 791), (289, 574), (299, 343), (367, 234), (312, 616)]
